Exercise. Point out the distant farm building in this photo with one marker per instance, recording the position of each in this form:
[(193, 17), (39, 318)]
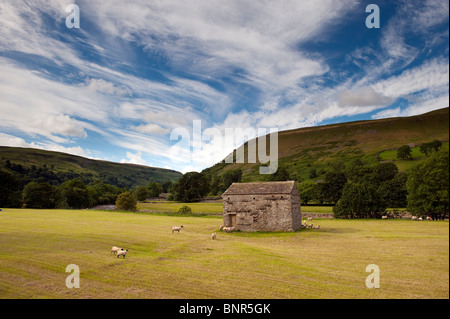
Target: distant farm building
[(271, 206)]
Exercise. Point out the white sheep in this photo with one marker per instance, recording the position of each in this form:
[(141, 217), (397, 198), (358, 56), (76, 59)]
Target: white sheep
[(115, 249), (384, 217), (414, 217), (317, 227), (221, 227), (310, 218), (176, 228), (310, 226), (228, 229), (429, 218), (122, 252), (213, 236)]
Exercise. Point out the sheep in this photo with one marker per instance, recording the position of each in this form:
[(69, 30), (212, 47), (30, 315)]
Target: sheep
[(115, 249), (310, 226), (384, 217), (213, 236), (420, 218), (317, 227), (176, 228), (221, 227), (122, 252), (228, 229), (414, 217), (429, 218), (310, 219)]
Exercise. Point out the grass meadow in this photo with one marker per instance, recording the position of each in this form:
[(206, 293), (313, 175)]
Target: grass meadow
[(330, 262)]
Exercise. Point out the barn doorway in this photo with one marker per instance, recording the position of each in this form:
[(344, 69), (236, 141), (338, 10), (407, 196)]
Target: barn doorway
[(233, 220)]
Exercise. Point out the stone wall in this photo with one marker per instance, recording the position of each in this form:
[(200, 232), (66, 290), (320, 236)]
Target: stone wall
[(268, 212)]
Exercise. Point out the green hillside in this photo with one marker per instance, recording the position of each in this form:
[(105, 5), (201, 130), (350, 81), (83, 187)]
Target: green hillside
[(308, 152), (31, 164)]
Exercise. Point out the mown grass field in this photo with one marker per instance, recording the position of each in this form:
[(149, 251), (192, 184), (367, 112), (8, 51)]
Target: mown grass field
[(330, 262)]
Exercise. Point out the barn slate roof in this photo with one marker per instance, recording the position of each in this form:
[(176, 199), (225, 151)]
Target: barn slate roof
[(262, 188)]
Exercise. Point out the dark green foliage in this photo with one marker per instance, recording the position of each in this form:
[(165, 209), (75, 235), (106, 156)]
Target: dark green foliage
[(308, 191), (40, 195), (428, 186), (103, 194), (9, 191), (429, 148), (190, 188), (404, 152), (126, 201), (230, 177), (155, 189), (185, 210), (280, 175), (75, 194), (331, 189), (141, 193), (360, 200)]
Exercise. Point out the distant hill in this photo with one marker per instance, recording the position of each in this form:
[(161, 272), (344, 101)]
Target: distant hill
[(39, 165), (308, 152)]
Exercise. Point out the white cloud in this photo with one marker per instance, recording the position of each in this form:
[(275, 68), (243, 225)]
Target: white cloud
[(362, 97), (134, 159)]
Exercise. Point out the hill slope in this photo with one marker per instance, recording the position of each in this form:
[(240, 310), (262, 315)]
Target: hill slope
[(316, 149), (27, 163)]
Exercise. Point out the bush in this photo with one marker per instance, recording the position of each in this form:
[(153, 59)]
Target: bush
[(126, 201), (185, 210)]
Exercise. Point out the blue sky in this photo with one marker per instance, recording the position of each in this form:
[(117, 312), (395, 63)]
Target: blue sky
[(137, 71)]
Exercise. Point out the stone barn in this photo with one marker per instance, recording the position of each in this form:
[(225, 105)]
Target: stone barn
[(271, 206)]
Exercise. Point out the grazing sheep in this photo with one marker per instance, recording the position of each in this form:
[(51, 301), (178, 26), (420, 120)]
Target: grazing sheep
[(221, 227), (414, 217), (429, 218), (115, 249), (122, 252), (228, 229), (384, 217), (310, 219), (176, 228), (420, 218), (213, 236), (317, 227), (310, 226)]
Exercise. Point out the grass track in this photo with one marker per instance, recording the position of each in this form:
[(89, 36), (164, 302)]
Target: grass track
[(37, 245)]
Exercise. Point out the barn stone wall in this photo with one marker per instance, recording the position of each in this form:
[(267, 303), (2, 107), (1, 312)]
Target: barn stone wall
[(268, 212)]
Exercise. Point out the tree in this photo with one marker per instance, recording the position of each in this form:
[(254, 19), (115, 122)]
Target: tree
[(75, 194), (428, 186), (360, 200), (155, 189), (141, 193), (308, 191), (126, 201), (404, 152), (332, 187), (394, 191), (230, 177), (191, 187), (280, 175), (429, 148), (9, 190), (40, 195)]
